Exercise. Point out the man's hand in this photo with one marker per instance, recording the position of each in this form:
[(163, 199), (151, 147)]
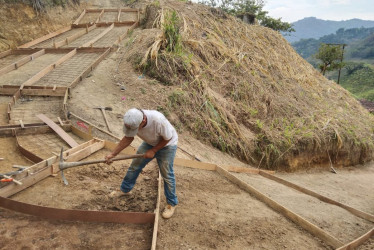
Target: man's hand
[(150, 154), (108, 159)]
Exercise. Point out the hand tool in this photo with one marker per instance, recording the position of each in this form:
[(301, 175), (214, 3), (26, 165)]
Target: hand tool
[(103, 111), (7, 178), (65, 165)]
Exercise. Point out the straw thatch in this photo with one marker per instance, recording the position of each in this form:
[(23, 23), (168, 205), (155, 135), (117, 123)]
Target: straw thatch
[(244, 89)]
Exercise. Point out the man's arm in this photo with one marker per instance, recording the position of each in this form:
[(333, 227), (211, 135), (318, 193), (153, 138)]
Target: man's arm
[(151, 153), (124, 143)]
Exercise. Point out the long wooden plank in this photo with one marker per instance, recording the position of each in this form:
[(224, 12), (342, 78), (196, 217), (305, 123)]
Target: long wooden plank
[(29, 155), (157, 214), (75, 36), (80, 17), (21, 62), (90, 43), (194, 164), (354, 211), (100, 15), (6, 53), (247, 170), (122, 36), (8, 90), (91, 124), (65, 136), (77, 215), (49, 68), (89, 69), (44, 92), (46, 37), (297, 219), (358, 242), (42, 170)]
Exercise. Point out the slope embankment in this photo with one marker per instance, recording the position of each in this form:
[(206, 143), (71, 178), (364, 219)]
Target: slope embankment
[(20, 23), (245, 90)]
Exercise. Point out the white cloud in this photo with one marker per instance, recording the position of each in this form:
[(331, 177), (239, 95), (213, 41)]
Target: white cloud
[(291, 11)]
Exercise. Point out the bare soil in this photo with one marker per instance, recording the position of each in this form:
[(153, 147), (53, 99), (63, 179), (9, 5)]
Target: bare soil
[(213, 213)]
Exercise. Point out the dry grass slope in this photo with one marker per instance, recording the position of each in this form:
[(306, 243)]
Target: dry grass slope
[(246, 91)]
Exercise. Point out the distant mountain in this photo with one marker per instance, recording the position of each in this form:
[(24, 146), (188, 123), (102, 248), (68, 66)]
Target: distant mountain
[(360, 43), (311, 27)]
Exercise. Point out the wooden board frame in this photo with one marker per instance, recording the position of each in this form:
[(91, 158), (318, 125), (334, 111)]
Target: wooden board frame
[(49, 68), (310, 227), (22, 61), (90, 67), (359, 241), (101, 12), (46, 37), (73, 37), (352, 210), (38, 91), (48, 167), (157, 214)]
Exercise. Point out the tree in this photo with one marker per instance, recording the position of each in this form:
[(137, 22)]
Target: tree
[(251, 7), (331, 57)]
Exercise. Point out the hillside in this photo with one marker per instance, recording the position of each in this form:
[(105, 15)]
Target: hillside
[(243, 89), (311, 27), (13, 32), (228, 88)]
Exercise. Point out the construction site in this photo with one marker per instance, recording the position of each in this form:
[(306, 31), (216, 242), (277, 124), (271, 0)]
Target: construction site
[(271, 154)]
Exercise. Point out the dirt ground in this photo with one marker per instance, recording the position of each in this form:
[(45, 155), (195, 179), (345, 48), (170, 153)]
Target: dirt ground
[(213, 212)]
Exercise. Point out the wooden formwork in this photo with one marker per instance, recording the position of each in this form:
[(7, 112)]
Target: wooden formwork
[(26, 103), (44, 168), (29, 68), (68, 70), (46, 37), (47, 167), (297, 219), (108, 16), (16, 58)]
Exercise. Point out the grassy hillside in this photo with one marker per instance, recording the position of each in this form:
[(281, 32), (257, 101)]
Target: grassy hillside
[(245, 90)]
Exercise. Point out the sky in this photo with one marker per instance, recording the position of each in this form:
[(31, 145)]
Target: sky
[(337, 10)]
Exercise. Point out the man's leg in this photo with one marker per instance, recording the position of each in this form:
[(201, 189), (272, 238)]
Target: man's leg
[(165, 159), (135, 168)]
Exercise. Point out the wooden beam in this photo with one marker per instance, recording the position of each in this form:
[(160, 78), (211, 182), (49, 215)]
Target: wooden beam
[(46, 37), (90, 43), (80, 17), (247, 170), (194, 164), (59, 92), (42, 170), (65, 136), (48, 69), (99, 17), (311, 228), (119, 14), (358, 242), (8, 89), (157, 214), (71, 38), (21, 62), (85, 121), (29, 155), (6, 53), (354, 211), (89, 69), (93, 10)]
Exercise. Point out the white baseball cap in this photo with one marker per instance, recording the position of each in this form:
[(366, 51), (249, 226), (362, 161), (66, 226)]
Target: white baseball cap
[(132, 119)]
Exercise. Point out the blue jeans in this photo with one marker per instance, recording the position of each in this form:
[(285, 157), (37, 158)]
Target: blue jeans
[(165, 159)]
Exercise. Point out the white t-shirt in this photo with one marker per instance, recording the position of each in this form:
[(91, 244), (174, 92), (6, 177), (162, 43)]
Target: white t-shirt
[(157, 127)]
